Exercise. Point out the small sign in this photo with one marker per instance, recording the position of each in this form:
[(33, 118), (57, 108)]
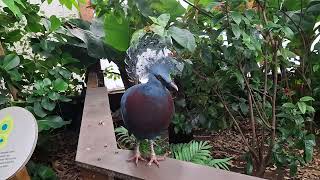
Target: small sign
[(18, 138)]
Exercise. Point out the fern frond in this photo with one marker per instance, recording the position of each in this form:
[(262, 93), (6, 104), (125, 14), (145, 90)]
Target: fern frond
[(220, 163), (194, 151), (199, 153), (124, 139)]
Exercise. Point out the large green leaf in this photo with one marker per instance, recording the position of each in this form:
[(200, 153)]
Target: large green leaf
[(237, 17), (51, 122), (303, 107), (47, 104), (309, 143), (296, 5), (38, 110), (236, 30), (184, 37), (307, 98), (60, 85), (162, 20), (117, 31), (55, 23), (13, 7), (156, 7), (10, 61)]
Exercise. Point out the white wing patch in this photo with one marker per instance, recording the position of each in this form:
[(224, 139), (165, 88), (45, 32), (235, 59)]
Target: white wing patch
[(144, 61)]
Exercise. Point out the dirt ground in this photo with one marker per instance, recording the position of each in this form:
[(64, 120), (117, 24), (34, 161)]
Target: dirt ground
[(228, 143), (225, 144)]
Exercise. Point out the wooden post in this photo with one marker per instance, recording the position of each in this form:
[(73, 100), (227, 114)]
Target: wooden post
[(21, 175)]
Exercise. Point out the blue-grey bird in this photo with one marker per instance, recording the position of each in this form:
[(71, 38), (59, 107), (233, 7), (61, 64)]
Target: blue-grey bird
[(147, 107)]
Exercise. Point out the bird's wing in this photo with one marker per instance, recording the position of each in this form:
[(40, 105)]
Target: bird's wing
[(150, 50)]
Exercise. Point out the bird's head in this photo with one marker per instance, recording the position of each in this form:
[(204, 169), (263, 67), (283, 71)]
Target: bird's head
[(162, 73)]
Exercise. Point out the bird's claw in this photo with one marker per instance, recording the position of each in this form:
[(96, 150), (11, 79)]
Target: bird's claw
[(136, 157), (155, 159)]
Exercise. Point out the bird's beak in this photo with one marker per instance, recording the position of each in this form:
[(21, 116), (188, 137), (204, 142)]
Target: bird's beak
[(172, 84)]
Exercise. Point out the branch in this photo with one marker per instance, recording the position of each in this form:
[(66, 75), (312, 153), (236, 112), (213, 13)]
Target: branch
[(252, 119), (258, 108), (254, 153)]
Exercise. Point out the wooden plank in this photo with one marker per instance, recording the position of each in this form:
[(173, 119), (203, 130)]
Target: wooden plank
[(90, 175), (95, 135), (114, 161), (93, 80), (97, 149)]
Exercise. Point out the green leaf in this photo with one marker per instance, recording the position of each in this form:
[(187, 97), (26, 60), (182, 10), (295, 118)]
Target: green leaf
[(60, 85), (47, 104), (309, 143), (117, 31), (244, 108), (157, 29), (236, 30), (68, 59), (162, 20), (302, 106), (316, 67), (10, 61), (13, 7), (38, 110), (293, 168), (47, 82), (55, 23), (64, 73), (236, 16), (46, 173), (288, 32), (310, 109), (51, 122), (289, 5), (64, 99), (155, 8), (307, 98), (184, 37), (288, 105), (54, 96), (136, 36)]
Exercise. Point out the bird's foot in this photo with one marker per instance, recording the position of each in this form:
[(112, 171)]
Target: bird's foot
[(136, 157), (155, 159)]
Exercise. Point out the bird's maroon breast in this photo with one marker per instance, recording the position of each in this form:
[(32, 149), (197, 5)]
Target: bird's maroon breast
[(147, 115)]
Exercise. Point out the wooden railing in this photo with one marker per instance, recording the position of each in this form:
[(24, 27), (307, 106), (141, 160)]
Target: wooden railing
[(100, 158)]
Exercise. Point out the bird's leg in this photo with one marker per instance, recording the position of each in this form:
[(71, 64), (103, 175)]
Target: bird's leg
[(153, 156), (137, 155)]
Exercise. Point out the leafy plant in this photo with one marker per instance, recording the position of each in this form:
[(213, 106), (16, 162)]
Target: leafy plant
[(199, 153), (40, 171), (124, 139)]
